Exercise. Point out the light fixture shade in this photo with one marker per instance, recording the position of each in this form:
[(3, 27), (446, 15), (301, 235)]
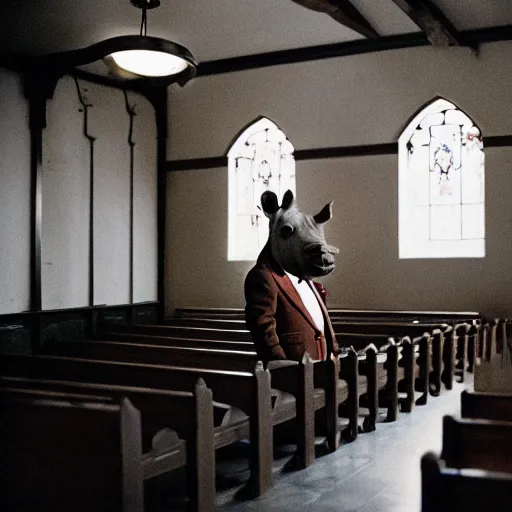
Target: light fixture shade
[(133, 57), (149, 63)]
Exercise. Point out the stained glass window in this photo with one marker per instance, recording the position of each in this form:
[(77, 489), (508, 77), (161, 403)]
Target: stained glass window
[(441, 185), (260, 159)]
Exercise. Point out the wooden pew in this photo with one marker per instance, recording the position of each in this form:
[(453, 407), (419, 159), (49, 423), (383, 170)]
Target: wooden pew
[(175, 331), (334, 313), (59, 453), (474, 470), (430, 316), (456, 319), (135, 333), (414, 369), (290, 377), (444, 345), (150, 339), (249, 392), (396, 368), (189, 415), (486, 406), (477, 444), (210, 312), (286, 376), (445, 489), (391, 329)]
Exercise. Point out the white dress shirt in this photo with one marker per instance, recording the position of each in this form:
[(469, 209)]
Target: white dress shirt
[(309, 299)]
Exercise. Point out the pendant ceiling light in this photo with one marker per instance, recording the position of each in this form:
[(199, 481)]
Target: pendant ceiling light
[(143, 56)]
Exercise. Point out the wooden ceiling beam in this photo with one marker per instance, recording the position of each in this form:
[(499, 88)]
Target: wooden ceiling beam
[(343, 12), (429, 18)]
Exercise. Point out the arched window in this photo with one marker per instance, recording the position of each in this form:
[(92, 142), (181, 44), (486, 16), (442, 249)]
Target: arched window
[(260, 159), (441, 185)]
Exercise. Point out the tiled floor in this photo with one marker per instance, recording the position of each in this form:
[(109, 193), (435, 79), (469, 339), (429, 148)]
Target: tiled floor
[(379, 472)]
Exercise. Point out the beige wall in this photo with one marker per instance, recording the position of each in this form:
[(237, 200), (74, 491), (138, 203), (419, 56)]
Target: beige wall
[(356, 100), (14, 196), (65, 197)]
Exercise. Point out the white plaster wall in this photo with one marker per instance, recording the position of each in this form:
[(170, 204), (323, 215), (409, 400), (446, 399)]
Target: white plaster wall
[(65, 209), (362, 99), (356, 100), (110, 124), (65, 224), (145, 234), (14, 196)]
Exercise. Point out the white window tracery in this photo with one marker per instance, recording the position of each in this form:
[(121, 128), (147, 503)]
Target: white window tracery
[(441, 185), (260, 159)]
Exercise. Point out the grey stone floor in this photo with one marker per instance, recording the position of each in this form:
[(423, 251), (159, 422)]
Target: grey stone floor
[(379, 472)]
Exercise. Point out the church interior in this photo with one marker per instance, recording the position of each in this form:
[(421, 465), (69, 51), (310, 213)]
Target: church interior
[(167, 166)]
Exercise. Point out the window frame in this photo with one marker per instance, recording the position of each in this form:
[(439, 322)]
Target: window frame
[(410, 245)]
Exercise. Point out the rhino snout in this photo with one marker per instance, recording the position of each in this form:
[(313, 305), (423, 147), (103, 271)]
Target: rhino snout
[(321, 255)]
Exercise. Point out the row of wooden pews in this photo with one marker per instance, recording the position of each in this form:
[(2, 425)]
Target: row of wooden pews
[(387, 370), (474, 470), (192, 390)]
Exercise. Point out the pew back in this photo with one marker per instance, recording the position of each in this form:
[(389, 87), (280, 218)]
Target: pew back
[(84, 456)]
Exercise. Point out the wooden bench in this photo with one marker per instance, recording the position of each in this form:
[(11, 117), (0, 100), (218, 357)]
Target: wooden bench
[(286, 376), (441, 347), (396, 368), (445, 489), (134, 334), (289, 377), (474, 470), (178, 331), (436, 316), (239, 334), (477, 444), (137, 334), (463, 352), (486, 406), (189, 415), (152, 339), (249, 392), (210, 312), (60, 452)]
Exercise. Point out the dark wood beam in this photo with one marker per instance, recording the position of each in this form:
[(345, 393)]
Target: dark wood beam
[(343, 12), (385, 148), (427, 15)]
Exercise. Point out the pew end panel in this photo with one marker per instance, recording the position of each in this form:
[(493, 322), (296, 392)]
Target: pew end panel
[(445, 489), (477, 444), (85, 456)]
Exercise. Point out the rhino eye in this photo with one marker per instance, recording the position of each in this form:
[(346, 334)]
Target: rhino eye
[(287, 231)]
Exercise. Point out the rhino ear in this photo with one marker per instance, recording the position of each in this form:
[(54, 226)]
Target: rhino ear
[(269, 203), (287, 200), (324, 215)]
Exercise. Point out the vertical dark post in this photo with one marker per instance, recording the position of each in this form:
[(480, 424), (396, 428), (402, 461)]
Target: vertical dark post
[(38, 89), (85, 106), (158, 98), (130, 109), (408, 363), (160, 104), (37, 106), (392, 382)]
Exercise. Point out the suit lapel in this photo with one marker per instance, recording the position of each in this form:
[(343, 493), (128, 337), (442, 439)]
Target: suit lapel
[(286, 286)]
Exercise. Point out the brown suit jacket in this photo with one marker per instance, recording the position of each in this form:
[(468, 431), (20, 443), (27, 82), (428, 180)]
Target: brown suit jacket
[(280, 325)]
